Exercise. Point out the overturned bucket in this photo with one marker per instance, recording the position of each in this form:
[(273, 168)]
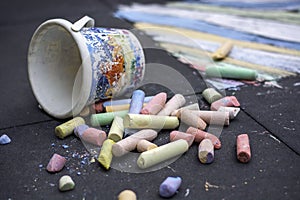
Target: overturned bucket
[(73, 65)]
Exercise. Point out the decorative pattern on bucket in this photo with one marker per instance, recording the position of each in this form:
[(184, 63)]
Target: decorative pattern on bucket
[(117, 60)]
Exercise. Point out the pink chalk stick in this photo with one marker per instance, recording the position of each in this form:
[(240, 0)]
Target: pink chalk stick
[(201, 135), (243, 148), (94, 136), (177, 135), (56, 163), (226, 102), (155, 105)]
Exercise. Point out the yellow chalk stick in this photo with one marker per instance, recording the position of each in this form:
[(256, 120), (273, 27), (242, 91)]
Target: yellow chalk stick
[(116, 130), (222, 51), (67, 128), (105, 156)]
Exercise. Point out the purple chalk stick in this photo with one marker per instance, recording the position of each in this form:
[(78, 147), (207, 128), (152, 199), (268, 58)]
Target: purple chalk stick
[(169, 187), (56, 163), (4, 139), (137, 101), (79, 130)]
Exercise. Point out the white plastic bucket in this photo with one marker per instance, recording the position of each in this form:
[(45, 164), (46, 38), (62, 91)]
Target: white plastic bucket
[(73, 65)]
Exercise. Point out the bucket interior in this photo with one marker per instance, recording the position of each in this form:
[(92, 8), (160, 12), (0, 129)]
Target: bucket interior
[(54, 62)]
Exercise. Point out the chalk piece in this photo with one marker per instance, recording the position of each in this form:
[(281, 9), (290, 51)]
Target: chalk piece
[(177, 112), (229, 71), (129, 143), (176, 135), (103, 119), (139, 121), (206, 151), (155, 105), (213, 117), (222, 51), (233, 111), (162, 153), (211, 95), (97, 107), (243, 148), (145, 145), (85, 111), (201, 135), (173, 104), (67, 128), (56, 163), (116, 130), (114, 102), (4, 139), (191, 119), (66, 183), (228, 101), (169, 187), (136, 103), (127, 195), (105, 156), (114, 108), (94, 136), (78, 130)]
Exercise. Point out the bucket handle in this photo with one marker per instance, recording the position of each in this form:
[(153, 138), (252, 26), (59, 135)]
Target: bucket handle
[(85, 21)]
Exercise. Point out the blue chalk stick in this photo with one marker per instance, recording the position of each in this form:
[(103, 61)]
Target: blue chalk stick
[(137, 101), (4, 139), (169, 187), (79, 130)]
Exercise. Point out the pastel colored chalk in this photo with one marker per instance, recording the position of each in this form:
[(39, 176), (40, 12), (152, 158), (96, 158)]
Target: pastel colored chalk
[(93, 136), (4, 139), (139, 121), (114, 108), (201, 135), (169, 186), (56, 163), (222, 51), (127, 195), (213, 117), (191, 119), (103, 119), (206, 151), (177, 135), (66, 183), (243, 148), (136, 103), (155, 105), (97, 107), (114, 102), (85, 111), (79, 130), (211, 95), (67, 128), (116, 131), (233, 111), (229, 71), (162, 153), (145, 145), (228, 101), (105, 156), (177, 112), (130, 143), (173, 104)]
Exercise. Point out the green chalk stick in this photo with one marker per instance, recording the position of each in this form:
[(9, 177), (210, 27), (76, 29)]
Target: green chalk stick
[(229, 71), (66, 183), (103, 119), (211, 95), (67, 128)]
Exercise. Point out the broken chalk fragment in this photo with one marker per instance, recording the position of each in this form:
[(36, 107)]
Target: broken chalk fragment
[(222, 51), (93, 136), (137, 101), (177, 112), (66, 183), (162, 153), (155, 105), (103, 119), (243, 148), (206, 151), (233, 111), (174, 103), (56, 163), (201, 135), (176, 135), (4, 139), (67, 128), (116, 130), (191, 119), (145, 145), (228, 101), (105, 156), (127, 195), (169, 187), (211, 95), (213, 117)]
